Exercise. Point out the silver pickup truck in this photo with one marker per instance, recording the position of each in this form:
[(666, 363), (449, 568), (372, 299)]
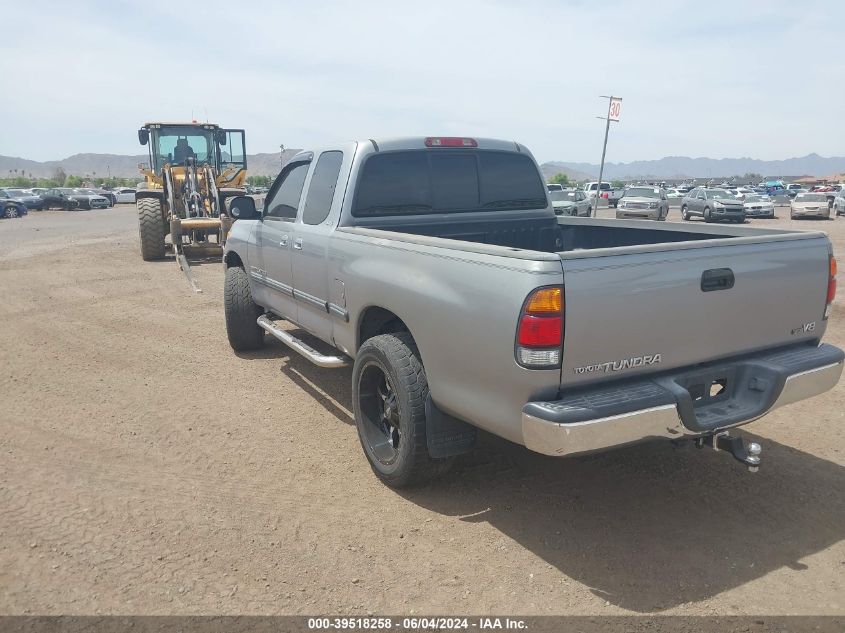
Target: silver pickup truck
[(437, 268)]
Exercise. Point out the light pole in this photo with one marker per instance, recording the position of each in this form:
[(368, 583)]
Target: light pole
[(281, 155), (613, 111)]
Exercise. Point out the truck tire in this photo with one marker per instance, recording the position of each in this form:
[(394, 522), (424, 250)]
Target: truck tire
[(241, 312), (389, 390), (150, 228)]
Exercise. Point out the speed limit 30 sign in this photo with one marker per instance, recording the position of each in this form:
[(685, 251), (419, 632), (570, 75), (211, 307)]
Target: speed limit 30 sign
[(614, 109)]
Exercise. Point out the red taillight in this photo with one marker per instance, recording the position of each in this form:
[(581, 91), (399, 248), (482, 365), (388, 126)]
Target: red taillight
[(831, 286), (539, 337), (450, 141), (540, 331)]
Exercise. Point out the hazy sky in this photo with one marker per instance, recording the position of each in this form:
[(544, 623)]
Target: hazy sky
[(721, 79)]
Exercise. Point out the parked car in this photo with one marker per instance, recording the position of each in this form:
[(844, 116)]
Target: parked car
[(741, 192), (649, 203), (108, 195), (436, 268), (674, 194), (31, 201), (59, 198), (806, 205), (553, 186), (571, 202), (11, 207), (125, 196), (832, 191), (89, 199), (607, 192), (839, 202), (757, 207), (713, 205)]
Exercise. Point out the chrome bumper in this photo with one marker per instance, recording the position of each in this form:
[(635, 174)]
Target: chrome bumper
[(664, 421)]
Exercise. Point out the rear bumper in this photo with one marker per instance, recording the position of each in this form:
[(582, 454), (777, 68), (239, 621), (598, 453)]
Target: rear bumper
[(678, 405)]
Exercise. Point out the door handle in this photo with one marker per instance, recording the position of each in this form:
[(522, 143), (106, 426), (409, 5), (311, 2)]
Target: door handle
[(283, 241), (297, 243)]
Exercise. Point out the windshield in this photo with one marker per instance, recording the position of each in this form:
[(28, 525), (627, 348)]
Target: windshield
[(642, 192), (751, 198), (174, 144), (568, 196), (437, 181), (16, 192), (719, 194), (811, 197)]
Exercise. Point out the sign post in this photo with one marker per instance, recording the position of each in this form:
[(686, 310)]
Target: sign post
[(614, 109)]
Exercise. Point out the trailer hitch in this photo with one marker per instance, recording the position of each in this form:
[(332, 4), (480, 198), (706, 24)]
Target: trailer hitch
[(747, 453)]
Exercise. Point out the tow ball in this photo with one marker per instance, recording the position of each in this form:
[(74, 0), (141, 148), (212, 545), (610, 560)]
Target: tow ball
[(747, 453)]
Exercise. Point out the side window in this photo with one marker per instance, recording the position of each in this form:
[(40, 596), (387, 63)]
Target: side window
[(285, 199), (318, 202), (234, 151)]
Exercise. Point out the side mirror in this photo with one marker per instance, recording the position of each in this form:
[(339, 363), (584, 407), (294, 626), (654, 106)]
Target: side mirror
[(221, 137), (243, 208), (143, 136)]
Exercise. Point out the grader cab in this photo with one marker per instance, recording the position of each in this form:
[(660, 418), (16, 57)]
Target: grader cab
[(194, 169)]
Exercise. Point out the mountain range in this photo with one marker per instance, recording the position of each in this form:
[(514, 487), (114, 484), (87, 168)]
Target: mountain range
[(675, 167), (119, 165), (670, 167)]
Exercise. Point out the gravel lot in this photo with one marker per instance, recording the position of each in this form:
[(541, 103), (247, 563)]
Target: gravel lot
[(145, 468)]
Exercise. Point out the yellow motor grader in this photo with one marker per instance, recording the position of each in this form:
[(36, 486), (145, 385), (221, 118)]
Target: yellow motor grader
[(194, 168)]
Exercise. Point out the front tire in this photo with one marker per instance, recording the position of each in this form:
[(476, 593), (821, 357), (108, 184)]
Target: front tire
[(11, 212), (150, 229), (389, 391), (684, 213), (707, 217), (241, 312)]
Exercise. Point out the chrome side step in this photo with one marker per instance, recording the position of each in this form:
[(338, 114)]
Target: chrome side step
[(301, 347)]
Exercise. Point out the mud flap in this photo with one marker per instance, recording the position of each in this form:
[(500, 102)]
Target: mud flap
[(446, 436)]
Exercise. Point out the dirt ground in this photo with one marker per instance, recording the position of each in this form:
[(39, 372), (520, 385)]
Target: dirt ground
[(146, 469)]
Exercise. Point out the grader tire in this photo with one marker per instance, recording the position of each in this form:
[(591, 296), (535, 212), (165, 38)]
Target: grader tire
[(151, 229)]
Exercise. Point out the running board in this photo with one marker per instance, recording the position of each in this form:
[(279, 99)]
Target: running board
[(301, 347)]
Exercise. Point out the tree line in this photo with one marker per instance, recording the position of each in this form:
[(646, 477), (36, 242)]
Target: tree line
[(22, 180)]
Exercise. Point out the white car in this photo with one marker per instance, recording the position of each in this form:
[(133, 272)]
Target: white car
[(757, 206), (125, 196), (811, 204), (742, 192), (839, 202), (674, 194)]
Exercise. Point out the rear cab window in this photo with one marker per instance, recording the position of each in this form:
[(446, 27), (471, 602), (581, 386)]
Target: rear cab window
[(321, 191), (419, 182)]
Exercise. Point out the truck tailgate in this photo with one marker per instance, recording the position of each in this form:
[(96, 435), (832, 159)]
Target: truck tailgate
[(655, 309)]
